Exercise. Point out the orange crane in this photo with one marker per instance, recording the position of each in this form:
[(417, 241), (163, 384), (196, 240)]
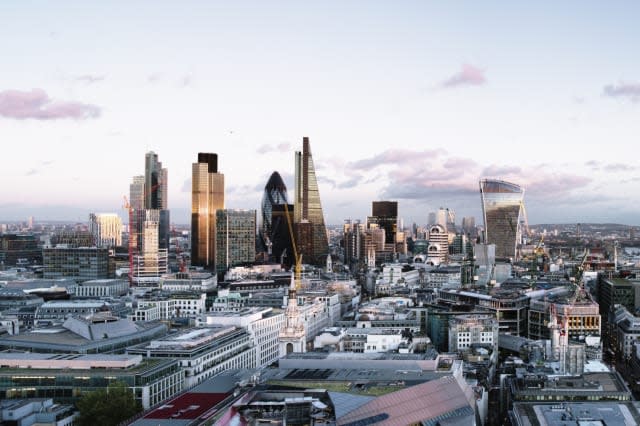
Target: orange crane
[(297, 256), (129, 209)]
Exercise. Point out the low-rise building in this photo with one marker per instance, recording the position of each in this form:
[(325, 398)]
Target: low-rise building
[(102, 288), (85, 335), (36, 411), (83, 263), (66, 377), (203, 352), (189, 281), (59, 310), (263, 324), (466, 331)]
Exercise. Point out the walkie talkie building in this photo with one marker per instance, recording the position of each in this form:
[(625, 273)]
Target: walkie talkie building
[(501, 210)]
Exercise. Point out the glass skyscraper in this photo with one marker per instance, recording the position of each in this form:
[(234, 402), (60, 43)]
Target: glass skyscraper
[(275, 193), (207, 196), (149, 223), (501, 209), (311, 235), (385, 215)]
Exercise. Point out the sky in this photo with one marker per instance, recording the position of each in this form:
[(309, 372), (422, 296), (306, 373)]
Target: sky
[(401, 100)]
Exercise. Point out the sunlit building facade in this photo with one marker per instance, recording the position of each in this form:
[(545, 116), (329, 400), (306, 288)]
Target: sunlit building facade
[(149, 223), (501, 209), (307, 207), (150, 261), (106, 229), (207, 196)]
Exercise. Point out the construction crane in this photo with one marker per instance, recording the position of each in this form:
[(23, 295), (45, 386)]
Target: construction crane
[(296, 255), (131, 244)]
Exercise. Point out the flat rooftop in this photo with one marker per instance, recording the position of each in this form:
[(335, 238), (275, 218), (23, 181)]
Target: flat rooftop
[(577, 413)]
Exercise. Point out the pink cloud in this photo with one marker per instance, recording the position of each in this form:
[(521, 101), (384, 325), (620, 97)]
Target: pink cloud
[(623, 90), (395, 157), (495, 170), (281, 147), (36, 104), (468, 76)]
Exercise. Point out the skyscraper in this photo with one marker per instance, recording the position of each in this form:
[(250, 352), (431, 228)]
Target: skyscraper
[(282, 248), (156, 180), (149, 223), (275, 193), (207, 196), (501, 210), (385, 215), (308, 210), (235, 238)]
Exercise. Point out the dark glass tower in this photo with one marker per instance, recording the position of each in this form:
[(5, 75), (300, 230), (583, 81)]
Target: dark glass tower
[(155, 195), (385, 215), (275, 193), (313, 243)]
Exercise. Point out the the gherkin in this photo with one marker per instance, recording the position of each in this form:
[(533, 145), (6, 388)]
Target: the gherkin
[(275, 193)]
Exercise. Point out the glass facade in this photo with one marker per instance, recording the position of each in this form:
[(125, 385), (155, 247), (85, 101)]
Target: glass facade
[(207, 196), (308, 208), (385, 215), (235, 238), (275, 193), (501, 208), (159, 379)]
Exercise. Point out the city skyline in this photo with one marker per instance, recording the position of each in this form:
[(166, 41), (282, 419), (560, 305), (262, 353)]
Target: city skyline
[(411, 102)]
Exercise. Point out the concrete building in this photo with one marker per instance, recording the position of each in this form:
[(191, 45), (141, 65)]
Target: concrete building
[(262, 324), (466, 331), (59, 310), (83, 263), (580, 413), (19, 248), (444, 276), (92, 335), (438, 249), (111, 288), (509, 306), (106, 229), (578, 316), (189, 281), (203, 352), (66, 377), (175, 305), (36, 411), (626, 333), (235, 238)]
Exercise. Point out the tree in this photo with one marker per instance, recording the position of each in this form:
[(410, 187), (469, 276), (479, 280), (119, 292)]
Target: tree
[(107, 407)]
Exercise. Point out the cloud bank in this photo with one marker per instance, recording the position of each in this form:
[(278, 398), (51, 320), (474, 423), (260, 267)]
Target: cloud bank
[(37, 105), (469, 75)]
